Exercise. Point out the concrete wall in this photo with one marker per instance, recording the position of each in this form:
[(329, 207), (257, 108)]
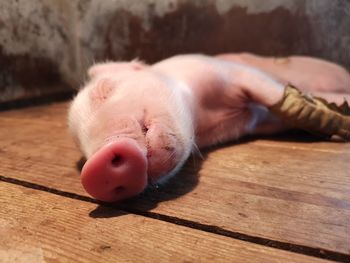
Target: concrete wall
[(46, 45)]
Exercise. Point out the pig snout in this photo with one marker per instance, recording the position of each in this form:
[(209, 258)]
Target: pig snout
[(116, 171)]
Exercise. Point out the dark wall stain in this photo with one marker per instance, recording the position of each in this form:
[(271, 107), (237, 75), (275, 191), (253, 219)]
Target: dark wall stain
[(201, 29), (35, 74), (189, 28)]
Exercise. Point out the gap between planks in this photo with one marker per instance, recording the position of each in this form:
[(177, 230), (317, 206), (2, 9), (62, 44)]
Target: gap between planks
[(299, 249), (69, 230)]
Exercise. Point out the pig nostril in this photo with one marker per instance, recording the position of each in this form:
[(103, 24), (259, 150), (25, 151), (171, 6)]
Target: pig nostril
[(119, 189), (144, 129), (117, 160)]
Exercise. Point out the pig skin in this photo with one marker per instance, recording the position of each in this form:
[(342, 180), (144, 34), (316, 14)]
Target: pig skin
[(191, 101)]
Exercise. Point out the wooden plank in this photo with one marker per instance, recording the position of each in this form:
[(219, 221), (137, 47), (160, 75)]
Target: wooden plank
[(297, 140), (240, 189), (291, 192), (35, 145), (37, 226)]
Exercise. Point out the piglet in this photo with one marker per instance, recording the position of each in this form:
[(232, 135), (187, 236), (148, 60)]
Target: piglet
[(137, 124)]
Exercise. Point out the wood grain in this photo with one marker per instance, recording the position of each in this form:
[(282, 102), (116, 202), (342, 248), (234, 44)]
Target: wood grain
[(290, 191), (35, 145), (36, 226), (298, 199)]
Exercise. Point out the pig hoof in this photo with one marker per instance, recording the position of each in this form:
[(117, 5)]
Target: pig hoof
[(314, 115)]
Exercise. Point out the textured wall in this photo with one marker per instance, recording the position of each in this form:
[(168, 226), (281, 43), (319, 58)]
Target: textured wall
[(38, 48), (46, 45)]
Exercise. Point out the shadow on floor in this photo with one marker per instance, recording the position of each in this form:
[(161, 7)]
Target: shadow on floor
[(297, 136), (182, 183), (185, 181)]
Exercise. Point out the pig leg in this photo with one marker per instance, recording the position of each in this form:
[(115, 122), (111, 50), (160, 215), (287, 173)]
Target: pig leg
[(322, 78), (294, 108), (262, 122), (306, 73), (314, 114), (265, 123)]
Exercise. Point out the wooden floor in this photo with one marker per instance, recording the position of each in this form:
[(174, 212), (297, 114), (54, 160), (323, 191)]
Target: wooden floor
[(279, 199)]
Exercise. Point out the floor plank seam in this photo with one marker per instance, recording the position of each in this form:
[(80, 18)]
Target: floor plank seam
[(299, 249), (48, 189), (37, 101)]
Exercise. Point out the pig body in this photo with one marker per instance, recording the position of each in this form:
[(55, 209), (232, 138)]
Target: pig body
[(138, 124), (306, 73)]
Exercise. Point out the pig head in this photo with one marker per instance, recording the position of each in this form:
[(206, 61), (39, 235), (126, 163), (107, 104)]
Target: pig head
[(133, 126), (137, 124)]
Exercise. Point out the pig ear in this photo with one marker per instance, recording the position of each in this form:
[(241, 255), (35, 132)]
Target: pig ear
[(114, 67)]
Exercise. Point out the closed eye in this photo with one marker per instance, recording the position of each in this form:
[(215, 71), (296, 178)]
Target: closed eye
[(144, 129)]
